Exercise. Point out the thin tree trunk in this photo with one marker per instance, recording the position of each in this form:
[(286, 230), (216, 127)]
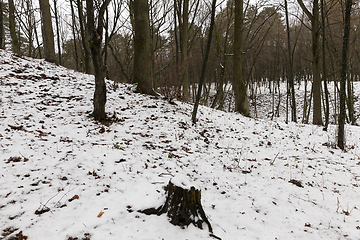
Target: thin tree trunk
[(326, 91), (95, 40), (37, 37), (106, 45), (203, 70), (12, 26), (74, 35), (29, 17), (316, 93), (344, 65), (1, 25), (350, 99), (84, 38), (184, 51), (57, 30), (291, 75)]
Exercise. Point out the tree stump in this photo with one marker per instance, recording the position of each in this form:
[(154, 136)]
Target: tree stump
[(183, 206)]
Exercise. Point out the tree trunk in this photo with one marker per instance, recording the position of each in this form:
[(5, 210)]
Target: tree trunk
[(14, 37), (74, 35), (1, 25), (143, 62), (184, 51), (344, 65), (326, 91), (239, 87), (57, 31), (47, 31), (316, 86), (95, 40), (219, 97), (84, 38), (290, 75), (317, 116), (350, 98), (31, 27), (203, 70)]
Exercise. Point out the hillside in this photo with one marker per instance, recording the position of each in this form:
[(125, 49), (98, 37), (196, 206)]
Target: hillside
[(259, 179)]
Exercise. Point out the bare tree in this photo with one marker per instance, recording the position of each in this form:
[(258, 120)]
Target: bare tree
[(57, 30), (84, 37), (47, 31), (143, 57), (239, 87), (73, 26), (206, 58), (12, 26), (1, 24), (290, 75), (344, 66), (95, 32), (315, 33)]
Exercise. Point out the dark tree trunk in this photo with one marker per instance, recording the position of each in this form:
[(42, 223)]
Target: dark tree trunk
[(12, 26), (290, 75), (184, 51), (74, 35), (315, 33), (183, 207), (95, 40), (239, 87), (219, 97), (84, 37), (47, 31), (350, 99), (57, 30), (1, 25), (143, 57), (344, 65), (326, 91), (317, 116), (203, 71)]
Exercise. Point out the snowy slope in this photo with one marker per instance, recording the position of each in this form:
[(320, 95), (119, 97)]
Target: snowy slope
[(64, 176)]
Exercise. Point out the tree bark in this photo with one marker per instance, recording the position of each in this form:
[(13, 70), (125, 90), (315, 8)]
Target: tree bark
[(95, 40), (239, 87), (57, 30), (184, 51), (74, 35), (316, 88), (344, 65), (1, 25), (326, 91), (290, 75), (47, 31), (143, 57), (84, 38), (202, 77), (14, 37)]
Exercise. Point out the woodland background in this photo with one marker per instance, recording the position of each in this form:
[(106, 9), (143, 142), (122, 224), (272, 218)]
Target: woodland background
[(283, 45)]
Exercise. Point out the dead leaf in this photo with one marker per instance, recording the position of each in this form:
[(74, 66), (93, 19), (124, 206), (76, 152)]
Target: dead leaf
[(100, 214)]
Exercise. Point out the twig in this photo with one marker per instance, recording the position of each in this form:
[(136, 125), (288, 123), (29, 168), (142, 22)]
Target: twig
[(272, 162)]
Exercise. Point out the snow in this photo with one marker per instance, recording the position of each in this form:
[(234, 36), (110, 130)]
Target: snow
[(259, 179)]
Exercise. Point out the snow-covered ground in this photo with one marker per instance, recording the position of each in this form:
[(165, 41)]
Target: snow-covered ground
[(64, 176)]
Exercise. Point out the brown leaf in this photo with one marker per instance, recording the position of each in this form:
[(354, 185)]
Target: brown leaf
[(100, 214)]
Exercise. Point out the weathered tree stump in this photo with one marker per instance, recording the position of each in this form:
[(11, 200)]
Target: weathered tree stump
[(183, 207)]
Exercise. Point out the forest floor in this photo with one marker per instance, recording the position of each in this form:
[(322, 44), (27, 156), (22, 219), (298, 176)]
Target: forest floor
[(64, 176)]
